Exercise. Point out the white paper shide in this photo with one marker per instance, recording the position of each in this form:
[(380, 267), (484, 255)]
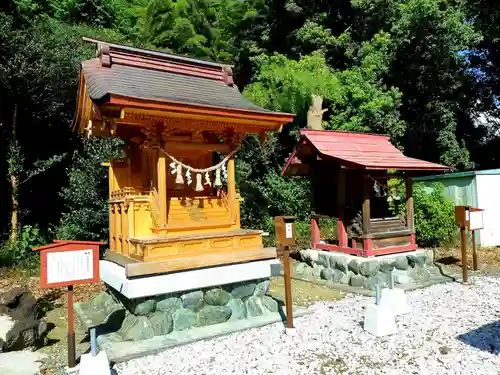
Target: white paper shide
[(67, 266)]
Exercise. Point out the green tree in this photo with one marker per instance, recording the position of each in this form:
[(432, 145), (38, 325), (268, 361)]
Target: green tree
[(85, 196)]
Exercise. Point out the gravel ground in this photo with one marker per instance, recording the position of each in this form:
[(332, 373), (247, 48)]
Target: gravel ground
[(452, 329)]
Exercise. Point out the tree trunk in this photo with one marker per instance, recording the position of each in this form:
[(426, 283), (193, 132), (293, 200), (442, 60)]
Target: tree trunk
[(14, 187), (14, 216)]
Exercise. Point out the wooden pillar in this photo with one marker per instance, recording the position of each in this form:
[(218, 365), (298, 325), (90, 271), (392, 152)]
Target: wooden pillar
[(231, 190), (367, 241), (161, 167), (315, 233), (341, 231), (118, 228), (112, 213), (366, 205), (409, 204), (125, 234)]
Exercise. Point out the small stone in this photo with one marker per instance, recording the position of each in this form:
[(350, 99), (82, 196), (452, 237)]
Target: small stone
[(323, 260), (262, 288), (332, 262), (169, 304), (243, 290), (193, 301), (372, 281), (210, 315), (184, 319), (316, 271), (416, 260), (353, 266), (429, 256), (444, 350), (270, 304), (162, 323), (357, 280), (238, 309), (346, 277), (104, 302), (136, 328), (419, 274), (369, 268), (217, 297), (144, 308), (400, 277), (341, 264), (401, 263), (327, 274), (300, 267), (308, 273), (254, 306), (386, 266), (338, 276), (309, 256)]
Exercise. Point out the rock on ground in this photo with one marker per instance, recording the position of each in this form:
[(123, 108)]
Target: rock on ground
[(453, 329)]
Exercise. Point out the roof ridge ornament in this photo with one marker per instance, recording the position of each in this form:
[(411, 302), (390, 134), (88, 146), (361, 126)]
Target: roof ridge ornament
[(103, 53), (228, 75)]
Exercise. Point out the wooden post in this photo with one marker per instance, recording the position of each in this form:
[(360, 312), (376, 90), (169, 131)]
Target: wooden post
[(341, 231), (474, 252), (288, 286), (463, 246), (366, 205), (112, 211), (409, 204), (71, 330), (231, 188), (315, 233), (367, 241), (161, 167)]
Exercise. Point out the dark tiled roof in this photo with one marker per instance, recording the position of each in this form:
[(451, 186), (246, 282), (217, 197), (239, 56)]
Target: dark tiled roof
[(151, 84)]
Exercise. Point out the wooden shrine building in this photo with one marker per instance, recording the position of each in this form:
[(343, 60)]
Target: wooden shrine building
[(348, 172), (173, 200)]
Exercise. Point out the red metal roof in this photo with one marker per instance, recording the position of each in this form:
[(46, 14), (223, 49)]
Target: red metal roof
[(360, 150)]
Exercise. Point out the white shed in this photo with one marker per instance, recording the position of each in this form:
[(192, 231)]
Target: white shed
[(479, 189)]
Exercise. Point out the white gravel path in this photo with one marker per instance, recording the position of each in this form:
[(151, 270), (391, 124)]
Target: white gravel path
[(331, 340)]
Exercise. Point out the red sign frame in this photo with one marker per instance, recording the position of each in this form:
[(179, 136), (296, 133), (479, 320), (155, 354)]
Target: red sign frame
[(60, 246)]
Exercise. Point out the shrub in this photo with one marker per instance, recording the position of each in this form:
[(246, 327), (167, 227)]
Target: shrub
[(434, 213), (19, 253)]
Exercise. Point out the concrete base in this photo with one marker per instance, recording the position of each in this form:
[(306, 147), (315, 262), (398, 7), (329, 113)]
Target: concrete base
[(395, 300), (379, 321), (114, 275), (290, 331), (98, 365), (120, 351)]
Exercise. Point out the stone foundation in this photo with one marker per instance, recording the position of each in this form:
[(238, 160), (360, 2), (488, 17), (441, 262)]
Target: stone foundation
[(147, 317), (407, 268)]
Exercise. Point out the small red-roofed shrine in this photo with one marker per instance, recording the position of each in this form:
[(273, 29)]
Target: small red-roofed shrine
[(347, 171)]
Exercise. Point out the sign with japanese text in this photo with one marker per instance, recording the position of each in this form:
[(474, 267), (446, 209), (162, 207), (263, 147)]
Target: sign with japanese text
[(65, 263)]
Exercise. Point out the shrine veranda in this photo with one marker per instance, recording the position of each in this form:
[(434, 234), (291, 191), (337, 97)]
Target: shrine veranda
[(179, 266)]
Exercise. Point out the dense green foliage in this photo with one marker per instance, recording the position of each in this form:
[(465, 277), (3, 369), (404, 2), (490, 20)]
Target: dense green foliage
[(434, 214), (420, 70)]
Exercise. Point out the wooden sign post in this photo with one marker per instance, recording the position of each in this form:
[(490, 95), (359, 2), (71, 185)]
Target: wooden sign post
[(471, 219), (476, 222), (285, 237), (65, 264)]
